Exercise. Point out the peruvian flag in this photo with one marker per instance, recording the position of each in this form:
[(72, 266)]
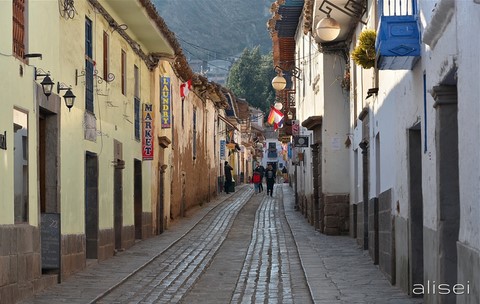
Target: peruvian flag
[(185, 88)]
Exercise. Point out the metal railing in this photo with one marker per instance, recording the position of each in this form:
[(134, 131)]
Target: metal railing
[(397, 7)]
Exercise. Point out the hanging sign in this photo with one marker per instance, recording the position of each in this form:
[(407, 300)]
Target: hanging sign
[(147, 140), (222, 149), (165, 100), (295, 127), (300, 141)]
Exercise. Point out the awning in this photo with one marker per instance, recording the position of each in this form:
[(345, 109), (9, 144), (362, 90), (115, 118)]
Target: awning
[(227, 122)]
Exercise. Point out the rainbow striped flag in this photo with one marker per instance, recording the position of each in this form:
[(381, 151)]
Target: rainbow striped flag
[(276, 118)]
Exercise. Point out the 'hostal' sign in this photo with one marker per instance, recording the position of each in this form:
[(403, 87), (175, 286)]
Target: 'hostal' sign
[(147, 141)]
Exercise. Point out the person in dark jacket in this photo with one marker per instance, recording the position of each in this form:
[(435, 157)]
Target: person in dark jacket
[(228, 178), (270, 176)]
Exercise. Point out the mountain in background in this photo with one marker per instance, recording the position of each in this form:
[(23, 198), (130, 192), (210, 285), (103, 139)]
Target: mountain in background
[(217, 29)]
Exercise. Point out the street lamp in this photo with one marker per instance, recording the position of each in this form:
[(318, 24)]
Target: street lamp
[(47, 83), (279, 82), (327, 29), (69, 97), (278, 106), (290, 115)]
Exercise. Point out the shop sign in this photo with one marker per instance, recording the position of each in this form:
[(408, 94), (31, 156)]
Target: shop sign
[(165, 102), (147, 140)]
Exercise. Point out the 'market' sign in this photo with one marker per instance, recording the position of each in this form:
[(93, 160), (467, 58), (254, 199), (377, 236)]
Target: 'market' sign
[(147, 140)]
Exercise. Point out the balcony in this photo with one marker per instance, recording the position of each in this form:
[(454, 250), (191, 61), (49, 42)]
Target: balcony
[(398, 37)]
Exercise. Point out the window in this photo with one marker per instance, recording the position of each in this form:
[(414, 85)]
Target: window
[(272, 150), (106, 50), (20, 157), (124, 73), (136, 76), (137, 118), (194, 144), (183, 112), (88, 66), (19, 28), (136, 101)]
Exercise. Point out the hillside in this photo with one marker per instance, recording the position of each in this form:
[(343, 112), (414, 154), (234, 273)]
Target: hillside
[(217, 29)]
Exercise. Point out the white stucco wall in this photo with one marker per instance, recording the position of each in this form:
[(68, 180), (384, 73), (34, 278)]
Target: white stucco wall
[(436, 62), (469, 121), (335, 127), (404, 106)]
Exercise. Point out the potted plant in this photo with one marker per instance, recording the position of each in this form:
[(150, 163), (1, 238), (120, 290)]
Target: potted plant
[(364, 53)]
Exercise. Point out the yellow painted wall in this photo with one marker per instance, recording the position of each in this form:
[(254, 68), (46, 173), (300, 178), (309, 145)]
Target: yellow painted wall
[(114, 114), (17, 92), (61, 41)]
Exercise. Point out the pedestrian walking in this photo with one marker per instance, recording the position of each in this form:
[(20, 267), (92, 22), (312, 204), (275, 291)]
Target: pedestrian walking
[(257, 181), (228, 178), (270, 176), (260, 169), (285, 174)]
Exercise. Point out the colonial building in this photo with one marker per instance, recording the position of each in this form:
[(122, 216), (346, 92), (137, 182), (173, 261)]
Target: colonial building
[(99, 148), (314, 94), (406, 73)]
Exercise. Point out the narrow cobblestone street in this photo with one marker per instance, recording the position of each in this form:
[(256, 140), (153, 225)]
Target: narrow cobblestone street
[(241, 248)]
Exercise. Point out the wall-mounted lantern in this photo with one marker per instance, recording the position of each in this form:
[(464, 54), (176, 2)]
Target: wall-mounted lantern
[(279, 82), (328, 29), (69, 97), (3, 141), (47, 83)]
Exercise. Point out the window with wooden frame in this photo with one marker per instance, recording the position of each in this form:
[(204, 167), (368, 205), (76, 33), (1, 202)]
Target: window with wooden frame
[(136, 77), (124, 73), (136, 101), (19, 20), (136, 113), (194, 127), (89, 66), (106, 50)]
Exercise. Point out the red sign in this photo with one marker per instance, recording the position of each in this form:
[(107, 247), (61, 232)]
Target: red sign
[(147, 140), (295, 127)]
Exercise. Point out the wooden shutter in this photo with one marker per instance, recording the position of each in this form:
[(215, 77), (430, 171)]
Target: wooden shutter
[(105, 56), (19, 28), (124, 68)]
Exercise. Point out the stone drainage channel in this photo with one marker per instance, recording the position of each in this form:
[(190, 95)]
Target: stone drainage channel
[(264, 277)]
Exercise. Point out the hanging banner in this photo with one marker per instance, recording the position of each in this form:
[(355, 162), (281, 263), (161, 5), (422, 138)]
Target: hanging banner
[(147, 140), (222, 149), (165, 100)]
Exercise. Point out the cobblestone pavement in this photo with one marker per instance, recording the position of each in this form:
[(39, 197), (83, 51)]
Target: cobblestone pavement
[(237, 249), (337, 269), (265, 276), (168, 278)]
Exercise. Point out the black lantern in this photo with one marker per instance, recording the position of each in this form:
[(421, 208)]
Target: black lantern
[(69, 97), (47, 83)]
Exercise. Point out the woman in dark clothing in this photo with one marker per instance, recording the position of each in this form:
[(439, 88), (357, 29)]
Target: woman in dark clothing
[(228, 178), (270, 176)]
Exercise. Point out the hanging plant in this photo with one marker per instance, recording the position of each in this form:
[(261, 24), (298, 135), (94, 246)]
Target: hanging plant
[(364, 53)]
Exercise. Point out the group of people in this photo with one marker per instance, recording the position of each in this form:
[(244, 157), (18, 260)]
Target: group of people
[(258, 175)]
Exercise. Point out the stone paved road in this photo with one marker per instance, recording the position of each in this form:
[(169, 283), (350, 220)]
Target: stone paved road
[(168, 278), (234, 251), (337, 269)]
